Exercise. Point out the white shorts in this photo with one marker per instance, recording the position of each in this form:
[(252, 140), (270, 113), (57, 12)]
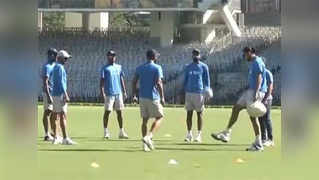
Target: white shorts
[(113, 102), (46, 105), (248, 97), (151, 108), (59, 105), (194, 101)]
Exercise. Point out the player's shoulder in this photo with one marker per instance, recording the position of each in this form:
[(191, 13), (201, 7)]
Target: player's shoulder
[(203, 64)]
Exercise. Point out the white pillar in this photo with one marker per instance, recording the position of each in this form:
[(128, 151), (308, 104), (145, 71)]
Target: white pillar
[(162, 28), (229, 20), (99, 21), (73, 20), (40, 22)]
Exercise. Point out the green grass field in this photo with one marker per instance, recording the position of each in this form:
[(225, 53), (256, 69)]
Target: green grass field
[(125, 160)]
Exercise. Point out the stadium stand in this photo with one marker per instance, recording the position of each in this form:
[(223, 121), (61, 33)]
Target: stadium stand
[(223, 57)]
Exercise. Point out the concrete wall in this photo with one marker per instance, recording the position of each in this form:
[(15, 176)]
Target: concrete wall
[(198, 32), (163, 28), (88, 21), (73, 20)]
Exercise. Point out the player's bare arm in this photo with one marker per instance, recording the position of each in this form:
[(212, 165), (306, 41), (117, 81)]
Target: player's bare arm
[(123, 88), (258, 85), (159, 85), (134, 88), (269, 91), (102, 87), (46, 88)]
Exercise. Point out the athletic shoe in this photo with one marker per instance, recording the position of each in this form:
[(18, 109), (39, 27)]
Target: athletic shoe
[(189, 137), (107, 135), (255, 147), (123, 135), (146, 148), (68, 141), (269, 143), (223, 136), (57, 140), (148, 141), (198, 138), (48, 138)]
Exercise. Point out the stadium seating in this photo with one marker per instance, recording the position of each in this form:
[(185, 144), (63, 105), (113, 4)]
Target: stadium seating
[(88, 50)]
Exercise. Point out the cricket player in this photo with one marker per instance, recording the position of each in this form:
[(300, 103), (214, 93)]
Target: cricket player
[(46, 93), (112, 88), (60, 97), (256, 92), (151, 96), (265, 121), (196, 80)]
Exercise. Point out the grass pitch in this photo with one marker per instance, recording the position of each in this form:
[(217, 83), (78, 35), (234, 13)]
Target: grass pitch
[(95, 158)]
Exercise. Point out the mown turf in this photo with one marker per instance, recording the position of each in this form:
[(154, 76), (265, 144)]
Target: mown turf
[(125, 160)]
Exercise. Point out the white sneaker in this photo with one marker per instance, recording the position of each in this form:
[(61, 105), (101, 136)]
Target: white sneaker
[(146, 148), (223, 136), (148, 141), (68, 141), (123, 135), (107, 135), (48, 138), (189, 137), (255, 147), (198, 138), (57, 140), (269, 143)]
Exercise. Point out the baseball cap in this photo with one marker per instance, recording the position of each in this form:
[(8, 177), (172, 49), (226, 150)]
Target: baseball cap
[(52, 51), (196, 52), (111, 53), (64, 54)]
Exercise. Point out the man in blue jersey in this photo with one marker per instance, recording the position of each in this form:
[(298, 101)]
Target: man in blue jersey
[(60, 96), (265, 121), (46, 93), (112, 88), (151, 96), (256, 92), (196, 80)]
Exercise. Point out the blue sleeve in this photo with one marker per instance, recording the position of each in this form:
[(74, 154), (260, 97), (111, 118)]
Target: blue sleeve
[(122, 74), (258, 68), (158, 74), (185, 78), (270, 77), (161, 72), (102, 73), (206, 78), (45, 71)]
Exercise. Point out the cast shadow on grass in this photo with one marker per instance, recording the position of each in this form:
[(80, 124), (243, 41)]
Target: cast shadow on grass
[(89, 150), (197, 149), (207, 144)]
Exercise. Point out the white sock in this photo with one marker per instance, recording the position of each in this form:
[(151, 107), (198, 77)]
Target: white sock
[(47, 134), (228, 130), (150, 135), (190, 132), (121, 129), (199, 133), (258, 139), (106, 130)]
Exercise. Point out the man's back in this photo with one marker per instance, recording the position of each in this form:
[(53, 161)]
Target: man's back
[(257, 67), (149, 73), (47, 70), (59, 80)]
